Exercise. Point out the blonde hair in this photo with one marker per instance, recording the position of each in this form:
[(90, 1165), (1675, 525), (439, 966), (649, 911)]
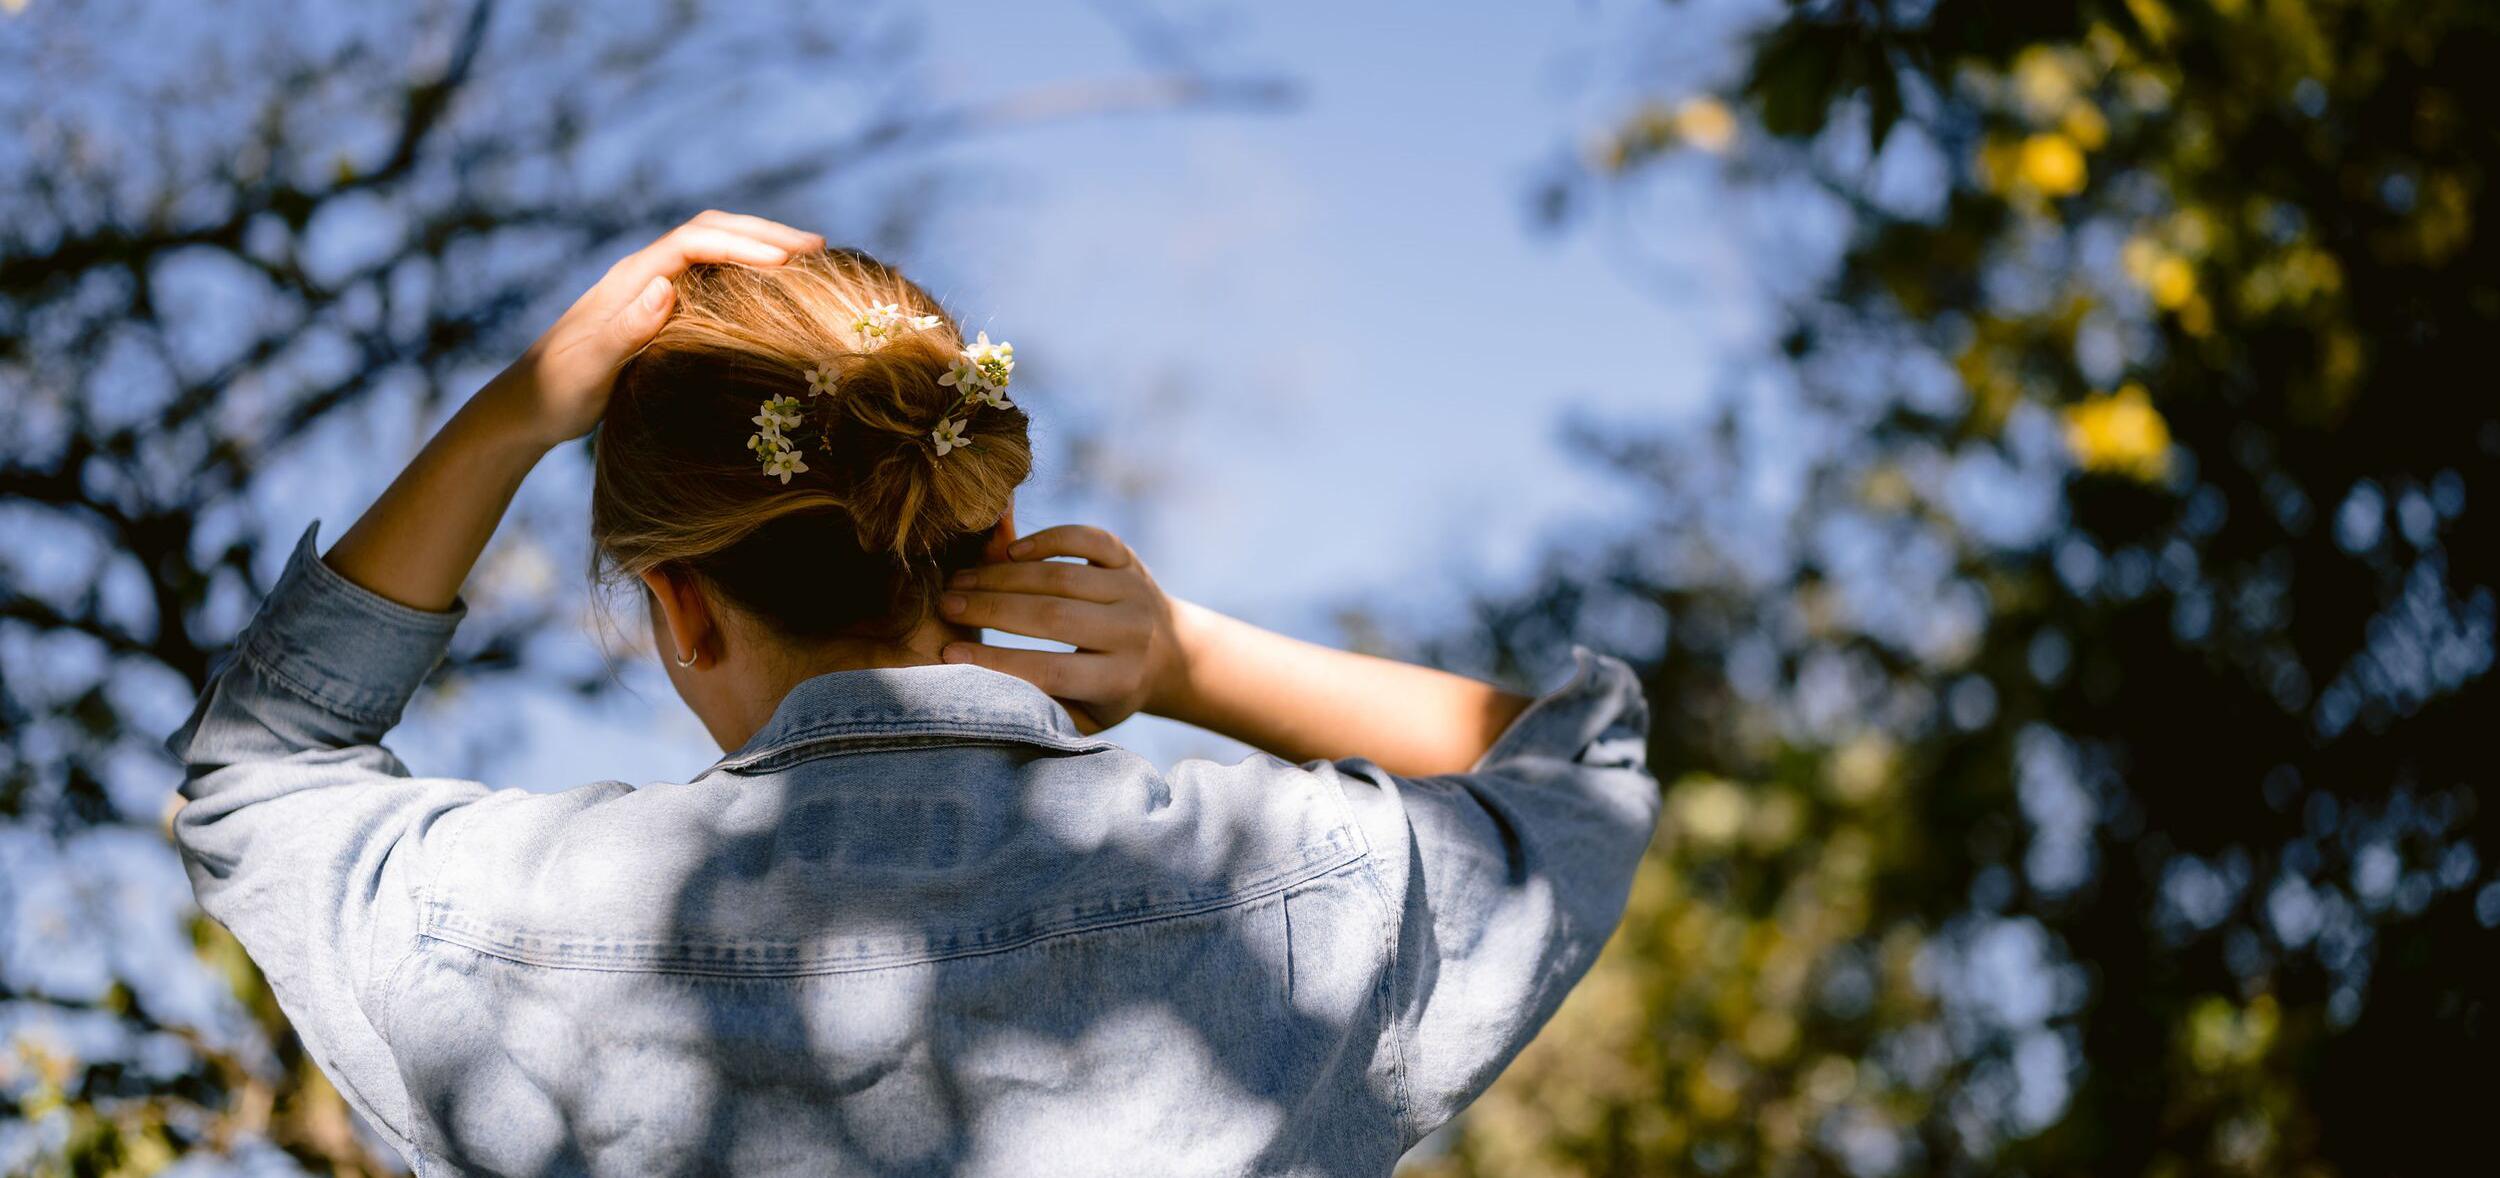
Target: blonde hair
[(860, 541)]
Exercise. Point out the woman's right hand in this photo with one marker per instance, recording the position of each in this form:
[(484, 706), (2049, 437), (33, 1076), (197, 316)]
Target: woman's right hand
[(1130, 653), (559, 387)]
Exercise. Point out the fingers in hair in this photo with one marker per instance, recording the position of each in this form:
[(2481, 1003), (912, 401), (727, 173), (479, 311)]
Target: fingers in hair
[(1053, 578), (1077, 540), (797, 241), (1083, 624), (687, 245)]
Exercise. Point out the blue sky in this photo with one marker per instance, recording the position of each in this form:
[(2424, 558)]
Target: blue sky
[(1373, 343), (1330, 340)]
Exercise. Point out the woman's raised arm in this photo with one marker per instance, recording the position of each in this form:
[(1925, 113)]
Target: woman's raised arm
[(416, 544), (1139, 650), (1503, 833), (301, 833)]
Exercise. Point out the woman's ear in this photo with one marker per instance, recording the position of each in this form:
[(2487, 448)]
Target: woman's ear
[(683, 613), (1002, 534)]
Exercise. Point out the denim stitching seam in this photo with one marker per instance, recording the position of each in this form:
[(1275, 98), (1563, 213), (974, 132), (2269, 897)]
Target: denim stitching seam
[(270, 666), (565, 956)]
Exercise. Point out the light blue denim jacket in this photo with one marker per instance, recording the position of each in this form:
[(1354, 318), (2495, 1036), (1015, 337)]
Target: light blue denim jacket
[(919, 924)]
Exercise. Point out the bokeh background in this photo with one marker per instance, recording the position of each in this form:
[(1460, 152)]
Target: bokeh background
[(2040, 456)]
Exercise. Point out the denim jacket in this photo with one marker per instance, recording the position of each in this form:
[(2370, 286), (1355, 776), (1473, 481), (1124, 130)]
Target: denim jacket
[(918, 924)]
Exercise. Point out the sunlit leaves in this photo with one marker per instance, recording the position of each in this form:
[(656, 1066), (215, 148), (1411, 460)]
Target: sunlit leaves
[(2215, 278), (2119, 433), (1703, 123), (2220, 1035), (2051, 164), (1736, 1015)]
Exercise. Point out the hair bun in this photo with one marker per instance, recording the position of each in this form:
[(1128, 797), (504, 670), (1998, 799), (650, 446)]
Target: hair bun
[(887, 447), (922, 459)]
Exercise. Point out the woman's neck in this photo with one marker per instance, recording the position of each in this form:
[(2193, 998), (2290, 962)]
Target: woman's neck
[(752, 698), (921, 647)]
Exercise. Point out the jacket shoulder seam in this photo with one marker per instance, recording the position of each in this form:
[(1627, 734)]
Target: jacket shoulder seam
[(734, 961)]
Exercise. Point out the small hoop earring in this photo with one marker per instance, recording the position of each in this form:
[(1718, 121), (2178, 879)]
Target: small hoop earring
[(685, 660)]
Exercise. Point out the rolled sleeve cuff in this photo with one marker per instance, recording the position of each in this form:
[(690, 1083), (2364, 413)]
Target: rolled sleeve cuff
[(343, 646), (1598, 717)]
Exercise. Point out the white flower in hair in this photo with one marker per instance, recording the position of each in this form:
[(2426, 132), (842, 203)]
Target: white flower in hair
[(871, 325), (820, 380), (948, 435), (997, 361), (881, 322), (784, 463), (779, 413), (779, 457), (961, 375), (982, 369)]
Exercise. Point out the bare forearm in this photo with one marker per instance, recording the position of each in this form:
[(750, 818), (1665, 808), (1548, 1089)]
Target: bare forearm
[(417, 542), (1305, 702)]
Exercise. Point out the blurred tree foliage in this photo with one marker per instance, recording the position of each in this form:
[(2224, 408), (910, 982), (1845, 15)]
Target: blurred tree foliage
[(2072, 650), (254, 249)]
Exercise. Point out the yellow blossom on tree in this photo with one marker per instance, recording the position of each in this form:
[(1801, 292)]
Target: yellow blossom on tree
[(2085, 125), (2044, 82), (2221, 1036), (2171, 282), (2120, 433), (2052, 164), (2163, 273), (1705, 123), (1658, 128), (1708, 809)]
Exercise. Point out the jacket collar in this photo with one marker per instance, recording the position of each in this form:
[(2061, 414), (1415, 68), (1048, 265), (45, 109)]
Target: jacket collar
[(909, 705)]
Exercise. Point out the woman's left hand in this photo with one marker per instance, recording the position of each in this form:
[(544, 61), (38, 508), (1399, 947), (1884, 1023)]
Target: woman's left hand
[(1129, 636), (559, 387)]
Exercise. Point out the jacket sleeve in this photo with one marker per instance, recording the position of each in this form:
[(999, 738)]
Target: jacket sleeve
[(301, 833), (1506, 880)]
